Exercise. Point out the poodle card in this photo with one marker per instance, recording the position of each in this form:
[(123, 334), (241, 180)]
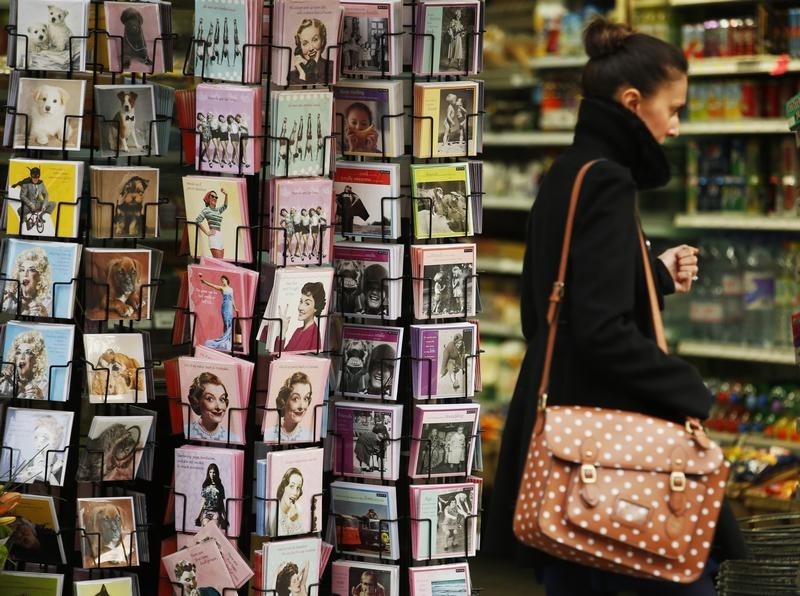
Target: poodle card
[(115, 367), (125, 116), (49, 114), (135, 42), (50, 35)]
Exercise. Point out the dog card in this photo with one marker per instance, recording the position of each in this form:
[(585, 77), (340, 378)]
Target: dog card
[(440, 579), (54, 33), (134, 37), (114, 448), (295, 399), (37, 444), (43, 197), (49, 114), (108, 531), (126, 116), (118, 284), (37, 361), (124, 201), (115, 368), (110, 586), (367, 440), (358, 577), (198, 569), (35, 534)]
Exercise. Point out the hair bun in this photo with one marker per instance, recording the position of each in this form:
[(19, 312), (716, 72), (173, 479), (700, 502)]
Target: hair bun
[(602, 37)]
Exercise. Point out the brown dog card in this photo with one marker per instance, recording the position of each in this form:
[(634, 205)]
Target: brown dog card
[(117, 284), (108, 532)]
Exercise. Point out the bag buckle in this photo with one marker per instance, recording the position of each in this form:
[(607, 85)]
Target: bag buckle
[(588, 474), (677, 482), (557, 292)]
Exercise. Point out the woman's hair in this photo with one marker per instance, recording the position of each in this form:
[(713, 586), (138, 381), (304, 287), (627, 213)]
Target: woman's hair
[(285, 482), (323, 33), (286, 389), (619, 56), (208, 196), (284, 578), (225, 277), (216, 481), (38, 257), (316, 290), (358, 106), (39, 364), (183, 566), (198, 387), (51, 425)]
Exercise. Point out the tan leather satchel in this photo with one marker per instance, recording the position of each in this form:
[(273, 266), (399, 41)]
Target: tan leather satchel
[(617, 490)]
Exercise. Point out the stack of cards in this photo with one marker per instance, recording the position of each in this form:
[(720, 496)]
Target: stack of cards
[(120, 282), (302, 144), (186, 110), (208, 489), (358, 577), (443, 196), (443, 440), (28, 582), (370, 361), (35, 535), (301, 210), (221, 32), (440, 579), (138, 37), (114, 448), (117, 367), (124, 201), (228, 125), (108, 531), (43, 197), (367, 441), (214, 392), (444, 520), (48, 113), (372, 37), (291, 565), (305, 40), (363, 520), (447, 119), (289, 492), (371, 113), (296, 317), (110, 586), (37, 361), (296, 404), (220, 297), (236, 565), (217, 218), (126, 117), (443, 360), (367, 199), (50, 35), (368, 279), (452, 40), (39, 278), (36, 445), (444, 283)]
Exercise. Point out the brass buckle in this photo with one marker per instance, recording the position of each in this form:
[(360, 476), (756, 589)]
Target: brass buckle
[(677, 482), (558, 291), (542, 402), (588, 474)]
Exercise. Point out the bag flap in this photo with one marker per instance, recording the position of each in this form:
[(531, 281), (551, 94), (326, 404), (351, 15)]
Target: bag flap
[(626, 440)]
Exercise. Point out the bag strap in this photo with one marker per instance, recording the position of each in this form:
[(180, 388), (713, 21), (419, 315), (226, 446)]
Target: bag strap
[(557, 295)]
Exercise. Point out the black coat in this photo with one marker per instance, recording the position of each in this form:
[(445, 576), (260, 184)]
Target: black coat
[(605, 353)]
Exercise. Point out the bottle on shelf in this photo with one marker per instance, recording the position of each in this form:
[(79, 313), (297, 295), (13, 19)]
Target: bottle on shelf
[(730, 280), (759, 296)]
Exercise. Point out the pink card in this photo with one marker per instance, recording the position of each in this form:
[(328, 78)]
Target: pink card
[(218, 300), (198, 569), (214, 408), (133, 32)]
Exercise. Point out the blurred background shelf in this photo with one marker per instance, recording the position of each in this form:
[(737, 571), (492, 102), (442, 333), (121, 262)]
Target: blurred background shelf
[(707, 349)]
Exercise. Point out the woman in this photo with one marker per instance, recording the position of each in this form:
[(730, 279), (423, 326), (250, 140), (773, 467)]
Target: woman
[(208, 399), (209, 220), (291, 580), (212, 500), (29, 356), (634, 87), (227, 309), (305, 338), (290, 518), (47, 463), (30, 285), (309, 66), (292, 402), (452, 520)]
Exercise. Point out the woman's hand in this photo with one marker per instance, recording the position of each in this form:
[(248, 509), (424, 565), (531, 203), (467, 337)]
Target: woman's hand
[(298, 62), (681, 262)]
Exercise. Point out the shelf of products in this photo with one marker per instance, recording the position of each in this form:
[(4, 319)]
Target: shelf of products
[(705, 349), (507, 203), (533, 138), (737, 221)]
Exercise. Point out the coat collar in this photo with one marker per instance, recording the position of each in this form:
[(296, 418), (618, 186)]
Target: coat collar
[(619, 134)]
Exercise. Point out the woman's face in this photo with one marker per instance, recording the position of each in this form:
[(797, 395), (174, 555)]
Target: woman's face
[(298, 402), (306, 309), (293, 489), (310, 43), (295, 584), (212, 473), (213, 405), (42, 438), (661, 111), (189, 580), (28, 276), (24, 359), (358, 119)]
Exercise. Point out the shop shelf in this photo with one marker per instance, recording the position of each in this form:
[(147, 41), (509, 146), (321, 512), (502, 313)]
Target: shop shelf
[(511, 203), (725, 351), (737, 221), (547, 62), (499, 265), (539, 138), (498, 329), (732, 127), (738, 65), (752, 440)]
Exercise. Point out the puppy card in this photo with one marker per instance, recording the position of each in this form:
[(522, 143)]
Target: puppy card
[(118, 284), (107, 527), (134, 37), (50, 35), (49, 114), (124, 201), (37, 360), (43, 197), (114, 448), (36, 445), (115, 368), (126, 115)]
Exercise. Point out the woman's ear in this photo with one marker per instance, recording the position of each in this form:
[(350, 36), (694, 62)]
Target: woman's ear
[(631, 98)]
